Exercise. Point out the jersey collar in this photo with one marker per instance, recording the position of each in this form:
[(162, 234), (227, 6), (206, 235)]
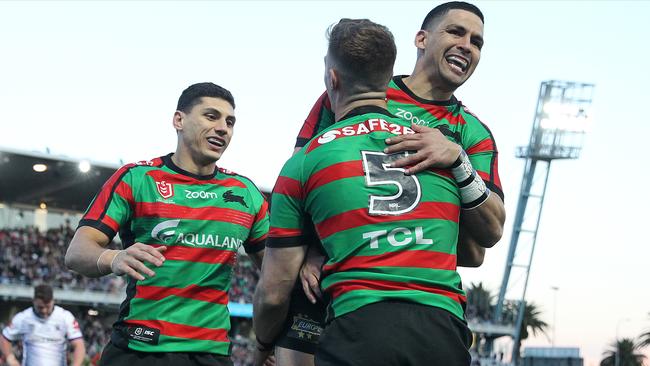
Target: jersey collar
[(397, 79), (366, 109), (167, 160)]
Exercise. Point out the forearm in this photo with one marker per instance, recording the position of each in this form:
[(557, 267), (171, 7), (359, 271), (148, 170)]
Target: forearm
[(269, 314), (79, 352), (469, 252), (484, 224), (7, 350), (257, 258), (89, 256)]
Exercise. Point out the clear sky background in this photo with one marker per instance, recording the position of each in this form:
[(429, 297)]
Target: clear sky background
[(100, 80)]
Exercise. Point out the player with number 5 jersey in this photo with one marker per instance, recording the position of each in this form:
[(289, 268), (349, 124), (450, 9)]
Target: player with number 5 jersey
[(386, 238)]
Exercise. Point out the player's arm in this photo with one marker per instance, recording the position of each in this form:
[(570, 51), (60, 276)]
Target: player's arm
[(469, 252), (10, 334), (254, 245), (272, 295), (111, 208), (88, 255), (78, 351), (483, 222), (8, 352)]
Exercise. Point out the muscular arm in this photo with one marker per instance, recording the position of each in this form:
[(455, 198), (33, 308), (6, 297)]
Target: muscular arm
[(271, 300), (79, 351), (8, 352), (87, 254), (481, 226), (484, 224), (257, 258), (84, 250)]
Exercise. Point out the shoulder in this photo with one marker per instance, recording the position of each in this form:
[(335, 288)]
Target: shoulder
[(63, 313), (469, 116), (142, 165), (23, 315), (245, 181)]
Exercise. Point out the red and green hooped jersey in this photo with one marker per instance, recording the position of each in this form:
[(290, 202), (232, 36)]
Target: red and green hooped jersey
[(202, 220), (387, 236), (451, 117)]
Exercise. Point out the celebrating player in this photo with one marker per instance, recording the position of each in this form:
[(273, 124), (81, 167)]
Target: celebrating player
[(181, 220)]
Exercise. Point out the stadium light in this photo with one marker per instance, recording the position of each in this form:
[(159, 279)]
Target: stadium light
[(39, 168), (84, 166)]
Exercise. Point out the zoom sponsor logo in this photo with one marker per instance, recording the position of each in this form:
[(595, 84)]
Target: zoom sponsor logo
[(200, 194), (406, 115)]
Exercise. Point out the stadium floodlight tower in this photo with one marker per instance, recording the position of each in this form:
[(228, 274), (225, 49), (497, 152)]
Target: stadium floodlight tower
[(561, 120)]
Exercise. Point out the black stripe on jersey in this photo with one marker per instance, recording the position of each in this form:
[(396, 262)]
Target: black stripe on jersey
[(252, 248), (444, 129), (491, 184), (285, 242), (99, 226), (301, 141), (113, 188), (119, 336)]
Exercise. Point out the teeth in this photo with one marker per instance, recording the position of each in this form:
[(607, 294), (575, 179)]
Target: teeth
[(214, 141), (457, 61)]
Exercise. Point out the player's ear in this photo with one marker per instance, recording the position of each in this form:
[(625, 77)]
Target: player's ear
[(333, 79), (421, 39), (177, 121)]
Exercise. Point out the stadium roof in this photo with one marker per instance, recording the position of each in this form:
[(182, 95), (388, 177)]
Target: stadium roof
[(62, 186)]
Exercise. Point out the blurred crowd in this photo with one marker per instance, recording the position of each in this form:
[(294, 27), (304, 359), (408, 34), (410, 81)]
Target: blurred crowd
[(29, 257)]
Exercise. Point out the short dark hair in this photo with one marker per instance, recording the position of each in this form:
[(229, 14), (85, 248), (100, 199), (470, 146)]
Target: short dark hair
[(193, 94), (442, 10), (364, 54), (43, 292)]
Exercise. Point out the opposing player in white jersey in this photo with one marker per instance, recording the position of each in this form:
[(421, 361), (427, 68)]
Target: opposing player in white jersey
[(45, 331)]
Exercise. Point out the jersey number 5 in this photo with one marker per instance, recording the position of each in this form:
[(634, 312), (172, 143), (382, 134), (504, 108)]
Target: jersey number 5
[(375, 165)]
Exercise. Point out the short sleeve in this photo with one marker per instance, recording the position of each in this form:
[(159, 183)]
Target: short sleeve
[(13, 331), (73, 331), (319, 118), (112, 206), (287, 206)]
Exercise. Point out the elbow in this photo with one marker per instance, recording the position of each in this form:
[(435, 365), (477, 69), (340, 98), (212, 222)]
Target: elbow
[(493, 236), (475, 260), (270, 297), (70, 259)]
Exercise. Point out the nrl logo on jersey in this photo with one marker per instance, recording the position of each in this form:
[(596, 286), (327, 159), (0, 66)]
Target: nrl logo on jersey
[(165, 189)]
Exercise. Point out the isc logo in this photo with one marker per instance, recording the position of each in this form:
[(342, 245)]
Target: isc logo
[(397, 237)]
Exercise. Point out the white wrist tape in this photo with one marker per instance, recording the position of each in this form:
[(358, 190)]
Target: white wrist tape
[(101, 273), (473, 191)]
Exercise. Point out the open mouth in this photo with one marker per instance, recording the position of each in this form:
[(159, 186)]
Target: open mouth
[(216, 142), (458, 63)]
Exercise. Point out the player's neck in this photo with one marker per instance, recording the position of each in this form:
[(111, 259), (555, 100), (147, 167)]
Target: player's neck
[(345, 104), (421, 85), (184, 160)]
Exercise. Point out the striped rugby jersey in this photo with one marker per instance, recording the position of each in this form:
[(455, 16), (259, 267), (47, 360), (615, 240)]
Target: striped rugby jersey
[(452, 118), (386, 235), (202, 220)]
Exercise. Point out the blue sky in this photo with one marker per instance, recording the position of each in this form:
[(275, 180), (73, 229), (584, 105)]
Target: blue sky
[(100, 80)]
